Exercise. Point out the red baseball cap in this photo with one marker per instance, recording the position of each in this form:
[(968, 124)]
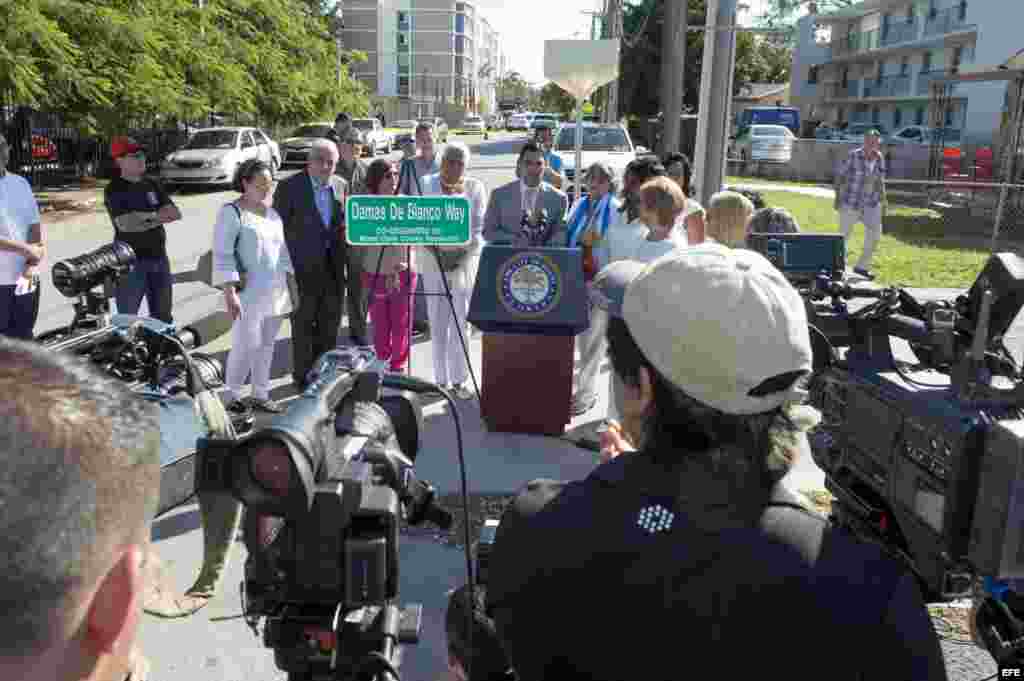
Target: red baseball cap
[(121, 146)]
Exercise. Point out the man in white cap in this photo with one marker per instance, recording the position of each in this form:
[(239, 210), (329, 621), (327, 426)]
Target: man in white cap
[(688, 553)]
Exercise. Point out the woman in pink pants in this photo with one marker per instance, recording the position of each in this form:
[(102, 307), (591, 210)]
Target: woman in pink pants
[(388, 280)]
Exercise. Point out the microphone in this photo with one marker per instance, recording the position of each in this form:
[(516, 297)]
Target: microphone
[(205, 330)]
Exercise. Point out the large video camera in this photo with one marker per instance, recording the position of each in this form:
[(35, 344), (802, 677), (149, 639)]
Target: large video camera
[(925, 458), (326, 487)]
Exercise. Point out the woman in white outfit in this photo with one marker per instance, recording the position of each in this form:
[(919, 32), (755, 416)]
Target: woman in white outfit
[(451, 369), (589, 224), (249, 248)]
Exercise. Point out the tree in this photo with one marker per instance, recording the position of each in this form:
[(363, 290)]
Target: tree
[(109, 65), (782, 14), (554, 99), (757, 60), (513, 87)]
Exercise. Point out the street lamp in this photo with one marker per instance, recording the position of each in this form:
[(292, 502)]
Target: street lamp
[(338, 23)]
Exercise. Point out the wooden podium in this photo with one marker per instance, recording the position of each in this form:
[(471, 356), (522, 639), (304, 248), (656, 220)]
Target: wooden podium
[(530, 303)]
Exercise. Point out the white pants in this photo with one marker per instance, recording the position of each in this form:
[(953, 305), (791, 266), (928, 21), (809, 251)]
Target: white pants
[(450, 367), (871, 217), (252, 350), (592, 345)]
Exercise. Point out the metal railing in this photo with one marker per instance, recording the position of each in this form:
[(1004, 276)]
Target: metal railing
[(949, 20), (888, 86), (900, 32), (925, 78)]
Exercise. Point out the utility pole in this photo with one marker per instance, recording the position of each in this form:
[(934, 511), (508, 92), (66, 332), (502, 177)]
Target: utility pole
[(613, 21), (715, 98), (673, 61), (339, 25)]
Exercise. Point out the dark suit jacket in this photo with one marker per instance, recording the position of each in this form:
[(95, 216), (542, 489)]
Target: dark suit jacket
[(503, 221), (316, 267)]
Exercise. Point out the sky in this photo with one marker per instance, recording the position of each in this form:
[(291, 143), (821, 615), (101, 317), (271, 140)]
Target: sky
[(524, 25)]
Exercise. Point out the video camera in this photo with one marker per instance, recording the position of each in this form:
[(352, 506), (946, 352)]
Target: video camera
[(326, 487), (926, 459)]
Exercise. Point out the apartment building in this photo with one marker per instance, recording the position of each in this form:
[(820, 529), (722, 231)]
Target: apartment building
[(874, 63), (425, 57)]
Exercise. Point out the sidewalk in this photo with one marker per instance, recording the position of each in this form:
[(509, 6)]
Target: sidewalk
[(84, 196)]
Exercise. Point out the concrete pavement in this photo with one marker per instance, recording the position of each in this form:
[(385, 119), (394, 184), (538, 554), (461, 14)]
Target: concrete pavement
[(216, 644)]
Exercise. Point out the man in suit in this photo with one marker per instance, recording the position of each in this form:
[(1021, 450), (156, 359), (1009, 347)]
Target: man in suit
[(528, 211), (311, 205), (353, 171)]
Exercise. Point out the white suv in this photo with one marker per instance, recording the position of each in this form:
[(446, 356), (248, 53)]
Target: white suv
[(373, 136)]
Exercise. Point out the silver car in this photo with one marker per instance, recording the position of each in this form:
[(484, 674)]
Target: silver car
[(296, 147), (213, 156), (772, 143)]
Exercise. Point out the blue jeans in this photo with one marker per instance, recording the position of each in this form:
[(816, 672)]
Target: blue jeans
[(151, 277), (18, 313)]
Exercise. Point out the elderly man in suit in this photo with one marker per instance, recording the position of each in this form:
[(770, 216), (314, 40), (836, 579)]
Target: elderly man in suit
[(312, 206), (528, 211)]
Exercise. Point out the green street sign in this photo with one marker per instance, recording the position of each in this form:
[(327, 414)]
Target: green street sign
[(408, 220)]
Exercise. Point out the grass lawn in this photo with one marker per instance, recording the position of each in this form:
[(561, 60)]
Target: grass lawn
[(733, 180), (920, 247)]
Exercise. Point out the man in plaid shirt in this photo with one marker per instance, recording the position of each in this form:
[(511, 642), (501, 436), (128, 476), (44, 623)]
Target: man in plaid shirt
[(860, 197)]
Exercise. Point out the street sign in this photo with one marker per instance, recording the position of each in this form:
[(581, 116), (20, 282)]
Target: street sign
[(408, 220)]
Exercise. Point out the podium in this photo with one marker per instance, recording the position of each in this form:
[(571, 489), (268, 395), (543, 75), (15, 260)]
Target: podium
[(530, 303)]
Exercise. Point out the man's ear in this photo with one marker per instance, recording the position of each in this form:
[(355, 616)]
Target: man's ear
[(116, 604)]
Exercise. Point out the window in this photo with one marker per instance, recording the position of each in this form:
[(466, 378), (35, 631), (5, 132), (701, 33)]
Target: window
[(403, 40), (910, 14), (919, 116), (460, 44), (949, 118), (403, 60), (881, 72), (905, 66), (841, 115), (885, 25), (963, 10), (812, 75), (958, 55), (897, 119), (460, 23), (247, 140), (403, 21), (846, 77), (926, 65), (403, 85), (876, 115)]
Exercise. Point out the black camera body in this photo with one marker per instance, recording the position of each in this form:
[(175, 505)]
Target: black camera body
[(327, 486), (927, 459)]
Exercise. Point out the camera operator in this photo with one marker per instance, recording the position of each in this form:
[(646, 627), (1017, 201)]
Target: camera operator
[(79, 481), (486, 661), (690, 553)]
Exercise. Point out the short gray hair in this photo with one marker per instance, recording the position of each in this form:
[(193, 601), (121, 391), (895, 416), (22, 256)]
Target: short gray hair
[(603, 168), (322, 145), (79, 476), (455, 151), (772, 221)]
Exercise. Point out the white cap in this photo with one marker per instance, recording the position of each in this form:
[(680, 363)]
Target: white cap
[(716, 322)]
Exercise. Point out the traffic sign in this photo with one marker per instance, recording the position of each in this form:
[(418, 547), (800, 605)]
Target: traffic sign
[(408, 220)]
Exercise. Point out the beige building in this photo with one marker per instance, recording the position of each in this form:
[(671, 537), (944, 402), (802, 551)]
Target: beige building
[(425, 57)]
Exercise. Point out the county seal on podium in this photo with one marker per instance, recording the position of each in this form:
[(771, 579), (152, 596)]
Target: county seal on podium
[(529, 284)]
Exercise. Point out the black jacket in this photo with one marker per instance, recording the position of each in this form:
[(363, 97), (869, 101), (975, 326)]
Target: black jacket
[(316, 267), (650, 570)]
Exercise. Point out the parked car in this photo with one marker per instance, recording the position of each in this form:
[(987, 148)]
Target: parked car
[(473, 124), (372, 135), (544, 121), (406, 133), (826, 133), (854, 132), (772, 143), (519, 122), (609, 143), (440, 128), (213, 156), (922, 134), (295, 149)]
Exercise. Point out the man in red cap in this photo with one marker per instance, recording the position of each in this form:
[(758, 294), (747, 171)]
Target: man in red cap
[(139, 207)]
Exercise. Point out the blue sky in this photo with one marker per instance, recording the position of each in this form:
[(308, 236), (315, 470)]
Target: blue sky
[(525, 25)]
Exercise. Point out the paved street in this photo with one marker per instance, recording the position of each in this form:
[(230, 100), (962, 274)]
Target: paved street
[(215, 644)]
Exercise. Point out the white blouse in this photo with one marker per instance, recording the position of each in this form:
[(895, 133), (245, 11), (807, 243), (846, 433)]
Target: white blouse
[(261, 251)]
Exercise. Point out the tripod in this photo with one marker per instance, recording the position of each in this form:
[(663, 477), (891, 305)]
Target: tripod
[(408, 173)]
